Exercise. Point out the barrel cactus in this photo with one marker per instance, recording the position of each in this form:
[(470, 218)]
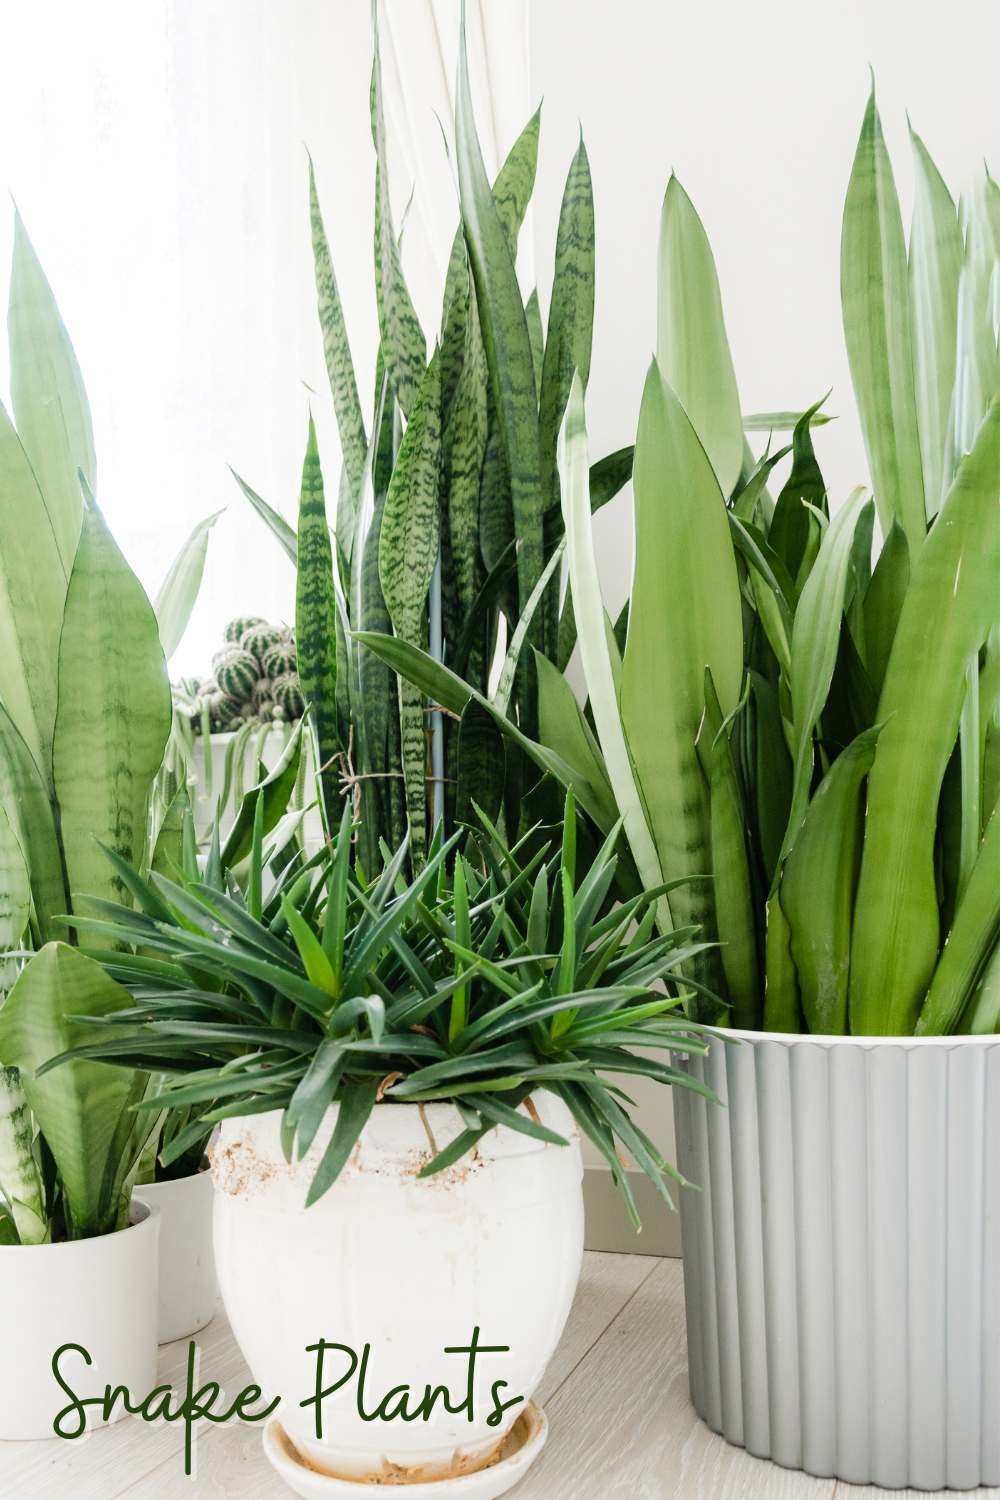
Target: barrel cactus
[(279, 659), (259, 638), (237, 673), (262, 697), (237, 629), (225, 712), (288, 695)]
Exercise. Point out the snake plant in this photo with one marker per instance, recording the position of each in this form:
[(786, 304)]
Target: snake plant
[(817, 736), (84, 717), (512, 976), (441, 530)]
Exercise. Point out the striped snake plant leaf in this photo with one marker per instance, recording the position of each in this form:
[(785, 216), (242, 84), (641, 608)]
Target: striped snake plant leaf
[(316, 628), (536, 336), (114, 712), (935, 266), (463, 451), (454, 321), (515, 181), (482, 764), (15, 892), (20, 1179), (977, 364), (383, 800), (733, 895), (692, 350), (793, 527), (819, 883), (404, 347), (512, 661), (28, 808), (874, 289), (337, 350), (686, 615), (814, 649), (169, 844), (50, 404), (32, 598), (175, 598), (277, 525), (408, 551), (945, 618), (505, 339), (570, 334), (769, 775), (969, 944), (78, 1107), (612, 726)]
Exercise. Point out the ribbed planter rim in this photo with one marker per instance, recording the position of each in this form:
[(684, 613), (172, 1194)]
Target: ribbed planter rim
[(788, 1037)]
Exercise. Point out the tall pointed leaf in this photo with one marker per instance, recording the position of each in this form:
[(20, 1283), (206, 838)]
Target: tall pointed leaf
[(32, 597), (316, 628), (935, 265), (28, 808), (175, 598), (113, 716), (505, 336), (686, 615), (874, 289), (970, 942), (404, 347), (50, 403), (408, 550), (337, 350), (571, 313), (574, 479), (692, 350), (944, 620)]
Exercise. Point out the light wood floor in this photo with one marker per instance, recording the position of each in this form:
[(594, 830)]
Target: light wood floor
[(621, 1424)]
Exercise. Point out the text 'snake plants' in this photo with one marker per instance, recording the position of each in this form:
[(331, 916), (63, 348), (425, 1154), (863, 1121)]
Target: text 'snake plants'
[(478, 988)]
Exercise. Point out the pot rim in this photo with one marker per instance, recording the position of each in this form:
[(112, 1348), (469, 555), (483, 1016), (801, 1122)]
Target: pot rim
[(148, 1214), (789, 1038)]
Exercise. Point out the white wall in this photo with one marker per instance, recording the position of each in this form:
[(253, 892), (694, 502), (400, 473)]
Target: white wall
[(757, 108)]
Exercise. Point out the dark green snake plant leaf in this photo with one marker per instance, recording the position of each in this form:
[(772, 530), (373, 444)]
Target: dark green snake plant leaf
[(404, 347), (50, 403), (793, 526), (970, 943), (113, 716), (874, 288), (481, 764), (944, 620), (571, 313), (316, 629), (337, 350), (408, 551), (505, 337)]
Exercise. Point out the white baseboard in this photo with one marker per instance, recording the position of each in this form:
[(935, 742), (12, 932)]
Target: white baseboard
[(607, 1222)]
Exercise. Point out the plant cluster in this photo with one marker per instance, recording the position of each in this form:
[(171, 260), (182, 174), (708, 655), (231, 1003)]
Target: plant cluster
[(515, 975), (818, 736)]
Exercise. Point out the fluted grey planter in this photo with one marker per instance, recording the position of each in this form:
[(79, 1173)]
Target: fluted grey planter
[(842, 1263)]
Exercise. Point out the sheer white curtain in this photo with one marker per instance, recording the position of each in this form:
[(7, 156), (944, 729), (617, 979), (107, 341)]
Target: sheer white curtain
[(157, 153)]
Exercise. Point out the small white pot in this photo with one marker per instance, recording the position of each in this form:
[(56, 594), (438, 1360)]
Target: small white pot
[(409, 1267), (99, 1293), (188, 1285), (842, 1265)]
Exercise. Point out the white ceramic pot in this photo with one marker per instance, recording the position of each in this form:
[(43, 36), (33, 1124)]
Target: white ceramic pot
[(188, 1286), (842, 1266), (407, 1267), (100, 1294)]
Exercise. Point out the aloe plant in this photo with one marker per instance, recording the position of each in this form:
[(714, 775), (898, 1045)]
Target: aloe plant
[(817, 737), (442, 530), (514, 976)]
